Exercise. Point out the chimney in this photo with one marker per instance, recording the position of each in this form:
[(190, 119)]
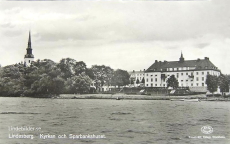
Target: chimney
[(156, 61), (144, 69), (206, 58), (134, 71)]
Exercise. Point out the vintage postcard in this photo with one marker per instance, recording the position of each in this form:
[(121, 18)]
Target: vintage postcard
[(114, 71)]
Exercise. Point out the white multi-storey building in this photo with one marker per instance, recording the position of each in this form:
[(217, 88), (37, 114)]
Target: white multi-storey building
[(189, 73)]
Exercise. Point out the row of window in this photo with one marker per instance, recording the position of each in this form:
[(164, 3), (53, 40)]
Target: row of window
[(197, 73), (197, 79), (151, 80), (183, 68), (186, 68), (137, 75), (197, 84), (187, 73), (155, 85)]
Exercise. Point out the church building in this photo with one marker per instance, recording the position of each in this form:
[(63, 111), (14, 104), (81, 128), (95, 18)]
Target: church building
[(29, 57)]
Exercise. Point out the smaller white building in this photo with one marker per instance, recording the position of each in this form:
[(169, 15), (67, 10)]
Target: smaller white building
[(104, 88), (137, 75)]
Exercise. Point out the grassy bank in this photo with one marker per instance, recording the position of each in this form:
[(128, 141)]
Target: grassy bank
[(129, 97)]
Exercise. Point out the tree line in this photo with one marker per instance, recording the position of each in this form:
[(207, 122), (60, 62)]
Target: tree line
[(46, 78)]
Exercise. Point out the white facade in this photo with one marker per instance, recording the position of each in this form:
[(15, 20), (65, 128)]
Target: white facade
[(104, 88), (28, 61), (185, 79)]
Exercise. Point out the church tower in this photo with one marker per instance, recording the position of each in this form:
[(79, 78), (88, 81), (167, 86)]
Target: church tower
[(29, 57)]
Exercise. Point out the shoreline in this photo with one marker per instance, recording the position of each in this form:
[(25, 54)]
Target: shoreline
[(122, 96), (138, 97)]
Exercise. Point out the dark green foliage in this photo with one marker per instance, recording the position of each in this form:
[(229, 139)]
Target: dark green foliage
[(43, 77), (78, 84), (172, 82), (89, 72), (47, 78), (223, 83), (11, 71), (80, 68), (11, 80), (137, 81), (102, 74), (228, 78), (67, 67), (212, 83), (120, 78)]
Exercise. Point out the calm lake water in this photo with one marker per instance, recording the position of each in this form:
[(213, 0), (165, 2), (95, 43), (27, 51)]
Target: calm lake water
[(121, 122)]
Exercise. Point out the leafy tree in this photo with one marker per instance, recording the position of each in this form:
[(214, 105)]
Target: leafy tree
[(67, 66), (78, 84), (102, 74), (10, 87), (212, 83), (11, 71), (30, 76), (228, 77), (172, 82), (57, 85), (80, 67), (43, 77), (47, 84), (89, 72), (42, 85), (120, 78), (70, 67), (223, 83), (137, 81), (11, 80)]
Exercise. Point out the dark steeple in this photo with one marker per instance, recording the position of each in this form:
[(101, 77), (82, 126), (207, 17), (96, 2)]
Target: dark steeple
[(181, 58), (29, 49), (29, 41)]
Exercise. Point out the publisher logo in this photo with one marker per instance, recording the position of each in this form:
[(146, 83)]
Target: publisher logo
[(207, 129)]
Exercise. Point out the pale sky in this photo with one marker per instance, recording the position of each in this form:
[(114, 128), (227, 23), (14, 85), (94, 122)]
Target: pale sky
[(129, 35)]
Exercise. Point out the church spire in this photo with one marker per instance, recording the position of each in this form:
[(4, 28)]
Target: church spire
[(29, 57), (181, 57), (29, 41), (29, 49)]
